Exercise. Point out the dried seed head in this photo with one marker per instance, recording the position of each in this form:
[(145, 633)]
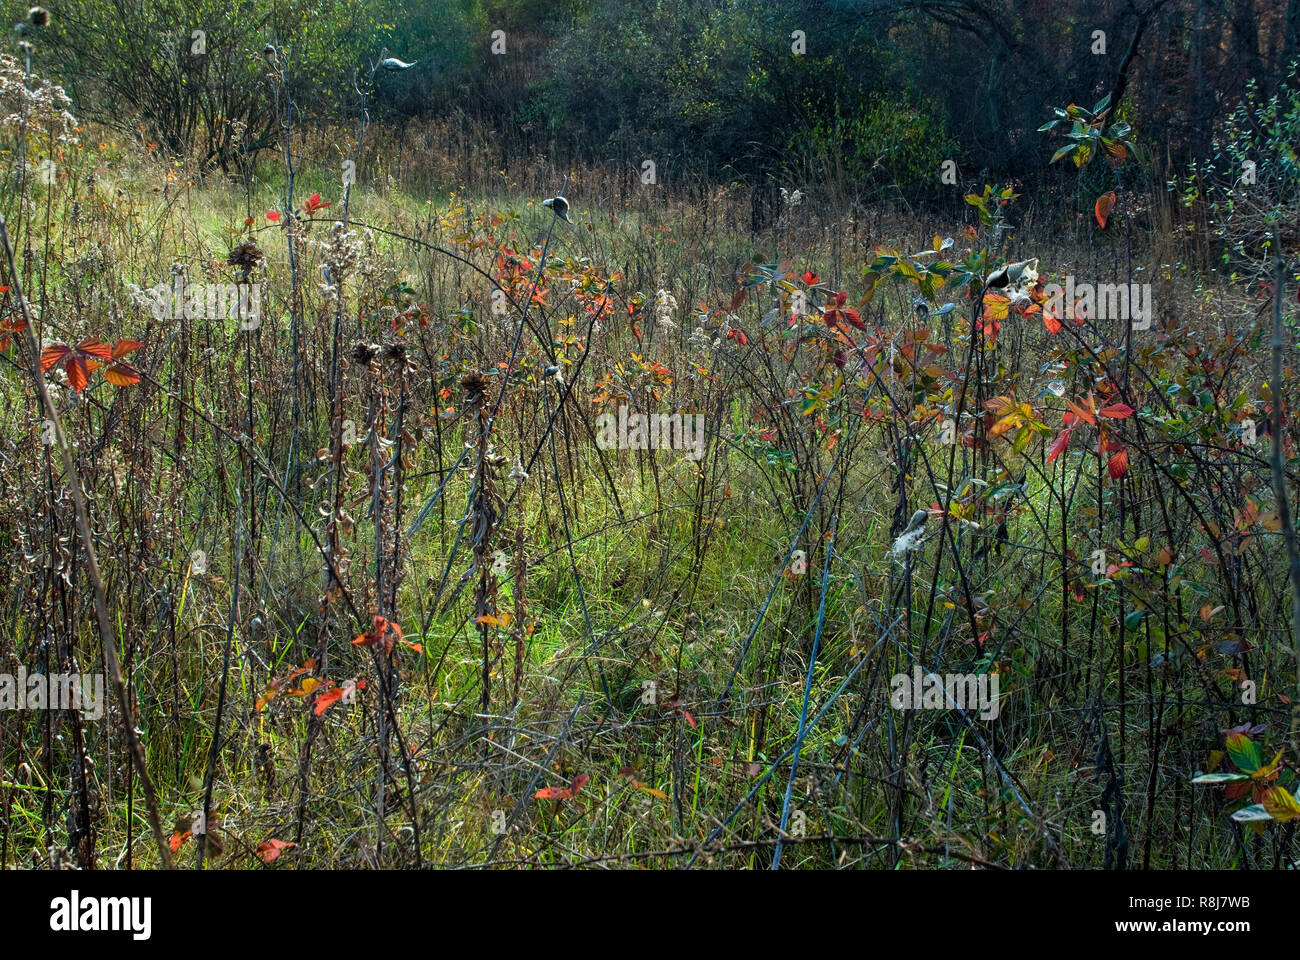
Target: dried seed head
[(38, 16), (246, 255), (475, 386)]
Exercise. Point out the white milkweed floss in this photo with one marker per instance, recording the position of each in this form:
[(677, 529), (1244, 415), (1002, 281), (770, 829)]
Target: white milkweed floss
[(911, 539)]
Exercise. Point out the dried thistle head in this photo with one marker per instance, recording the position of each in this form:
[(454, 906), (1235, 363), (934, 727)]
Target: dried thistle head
[(246, 255), (363, 353), (475, 386), (38, 17)]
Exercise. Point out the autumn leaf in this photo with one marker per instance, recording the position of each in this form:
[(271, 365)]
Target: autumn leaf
[(274, 687), (384, 635), (1117, 465), (335, 694), (641, 784), (1058, 445), (306, 687), (996, 306), (270, 850), (119, 374), (1053, 325), (836, 311), (314, 203), (1105, 204), (1243, 752), (1278, 802), (1116, 411), (328, 699), (1269, 770), (74, 360), (563, 793), (273, 216), (1081, 413), (15, 324)]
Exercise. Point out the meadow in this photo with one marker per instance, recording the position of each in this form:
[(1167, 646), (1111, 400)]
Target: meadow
[(304, 457)]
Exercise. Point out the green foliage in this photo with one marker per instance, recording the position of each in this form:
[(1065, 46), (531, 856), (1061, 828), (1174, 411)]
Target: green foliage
[(193, 72), (656, 84), (890, 141), (1251, 180)]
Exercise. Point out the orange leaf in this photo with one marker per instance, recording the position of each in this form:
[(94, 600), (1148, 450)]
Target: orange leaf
[(1105, 204), (123, 347), (328, 699), (1117, 466), (1116, 411), (271, 850), (94, 348), (122, 375), (78, 375), (1084, 415), (52, 355), (552, 793)]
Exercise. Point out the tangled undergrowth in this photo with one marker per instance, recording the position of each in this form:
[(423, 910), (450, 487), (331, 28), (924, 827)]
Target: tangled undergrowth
[(392, 574)]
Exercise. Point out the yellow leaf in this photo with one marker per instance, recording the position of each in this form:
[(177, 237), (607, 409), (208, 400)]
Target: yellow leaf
[(1006, 423), (307, 686), (1268, 770), (1280, 804), (996, 307)]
